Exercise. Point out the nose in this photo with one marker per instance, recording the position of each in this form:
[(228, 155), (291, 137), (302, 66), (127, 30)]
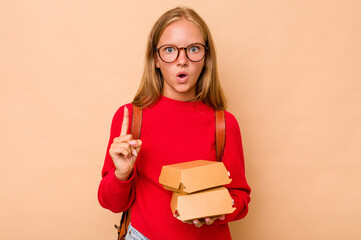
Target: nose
[(182, 58)]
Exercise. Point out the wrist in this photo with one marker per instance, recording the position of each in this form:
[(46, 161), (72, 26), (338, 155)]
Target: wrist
[(122, 176)]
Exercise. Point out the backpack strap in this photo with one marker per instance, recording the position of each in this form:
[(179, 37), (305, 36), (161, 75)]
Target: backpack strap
[(135, 131), (220, 134), (136, 122)]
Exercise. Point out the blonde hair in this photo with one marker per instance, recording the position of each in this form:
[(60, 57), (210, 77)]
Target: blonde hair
[(208, 88)]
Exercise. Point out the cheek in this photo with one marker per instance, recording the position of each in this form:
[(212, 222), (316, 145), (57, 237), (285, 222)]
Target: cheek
[(199, 67), (165, 69)]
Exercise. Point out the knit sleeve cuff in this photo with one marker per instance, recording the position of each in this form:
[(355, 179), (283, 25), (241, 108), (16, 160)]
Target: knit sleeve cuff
[(119, 185)]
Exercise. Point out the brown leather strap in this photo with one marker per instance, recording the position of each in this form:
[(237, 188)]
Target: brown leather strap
[(124, 223), (220, 134), (136, 122), (135, 131)]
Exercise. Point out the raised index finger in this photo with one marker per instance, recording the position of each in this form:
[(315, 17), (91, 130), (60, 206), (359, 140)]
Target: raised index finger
[(125, 123)]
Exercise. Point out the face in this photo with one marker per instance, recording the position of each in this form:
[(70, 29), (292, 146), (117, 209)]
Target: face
[(180, 77)]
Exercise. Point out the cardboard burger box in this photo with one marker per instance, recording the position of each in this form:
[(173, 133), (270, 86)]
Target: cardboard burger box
[(197, 191), (189, 177), (207, 203)]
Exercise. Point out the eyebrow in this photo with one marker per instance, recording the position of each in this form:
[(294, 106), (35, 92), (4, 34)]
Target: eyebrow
[(170, 44)]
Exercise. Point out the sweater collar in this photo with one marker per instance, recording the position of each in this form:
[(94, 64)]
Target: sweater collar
[(181, 105)]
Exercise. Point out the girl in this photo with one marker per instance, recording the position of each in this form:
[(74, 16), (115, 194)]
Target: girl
[(179, 93)]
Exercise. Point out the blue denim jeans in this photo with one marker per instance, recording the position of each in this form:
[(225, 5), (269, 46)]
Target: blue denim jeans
[(133, 234)]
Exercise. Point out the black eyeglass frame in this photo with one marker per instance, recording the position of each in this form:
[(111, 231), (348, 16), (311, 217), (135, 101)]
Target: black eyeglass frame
[(185, 51)]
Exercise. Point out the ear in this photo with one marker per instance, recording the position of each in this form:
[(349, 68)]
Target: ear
[(156, 60)]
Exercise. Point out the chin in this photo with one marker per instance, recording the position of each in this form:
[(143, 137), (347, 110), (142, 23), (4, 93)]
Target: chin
[(183, 90)]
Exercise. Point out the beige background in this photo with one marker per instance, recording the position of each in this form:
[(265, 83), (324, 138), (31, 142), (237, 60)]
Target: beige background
[(291, 71)]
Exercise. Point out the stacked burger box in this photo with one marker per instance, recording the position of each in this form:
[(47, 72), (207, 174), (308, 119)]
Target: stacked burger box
[(197, 188)]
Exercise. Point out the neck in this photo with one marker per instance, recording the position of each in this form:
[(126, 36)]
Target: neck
[(185, 97)]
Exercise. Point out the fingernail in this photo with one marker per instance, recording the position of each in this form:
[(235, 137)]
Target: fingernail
[(176, 214), (135, 152), (133, 142)]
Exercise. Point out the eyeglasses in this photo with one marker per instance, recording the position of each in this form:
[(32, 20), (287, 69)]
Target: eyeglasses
[(169, 53)]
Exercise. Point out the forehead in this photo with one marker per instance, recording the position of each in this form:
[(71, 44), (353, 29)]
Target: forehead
[(181, 33)]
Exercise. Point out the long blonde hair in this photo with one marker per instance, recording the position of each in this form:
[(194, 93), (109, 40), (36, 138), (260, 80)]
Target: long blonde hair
[(208, 88)]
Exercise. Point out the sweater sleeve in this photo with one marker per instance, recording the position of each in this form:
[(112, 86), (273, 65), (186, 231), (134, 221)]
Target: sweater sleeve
[(234, 162), (114, 194)]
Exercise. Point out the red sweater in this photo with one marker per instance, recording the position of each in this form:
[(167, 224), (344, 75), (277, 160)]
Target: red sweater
[(172, 132)]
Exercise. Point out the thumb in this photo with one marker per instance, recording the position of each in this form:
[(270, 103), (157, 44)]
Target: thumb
[(136, 143)]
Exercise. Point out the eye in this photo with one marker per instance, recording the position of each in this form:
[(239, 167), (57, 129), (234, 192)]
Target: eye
[(194, 49), (169, 49)]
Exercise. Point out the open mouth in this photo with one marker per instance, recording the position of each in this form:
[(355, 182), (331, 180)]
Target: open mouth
[(182, 75)]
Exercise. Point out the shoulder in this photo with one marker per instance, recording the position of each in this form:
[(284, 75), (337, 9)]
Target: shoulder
[(231, 122)]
